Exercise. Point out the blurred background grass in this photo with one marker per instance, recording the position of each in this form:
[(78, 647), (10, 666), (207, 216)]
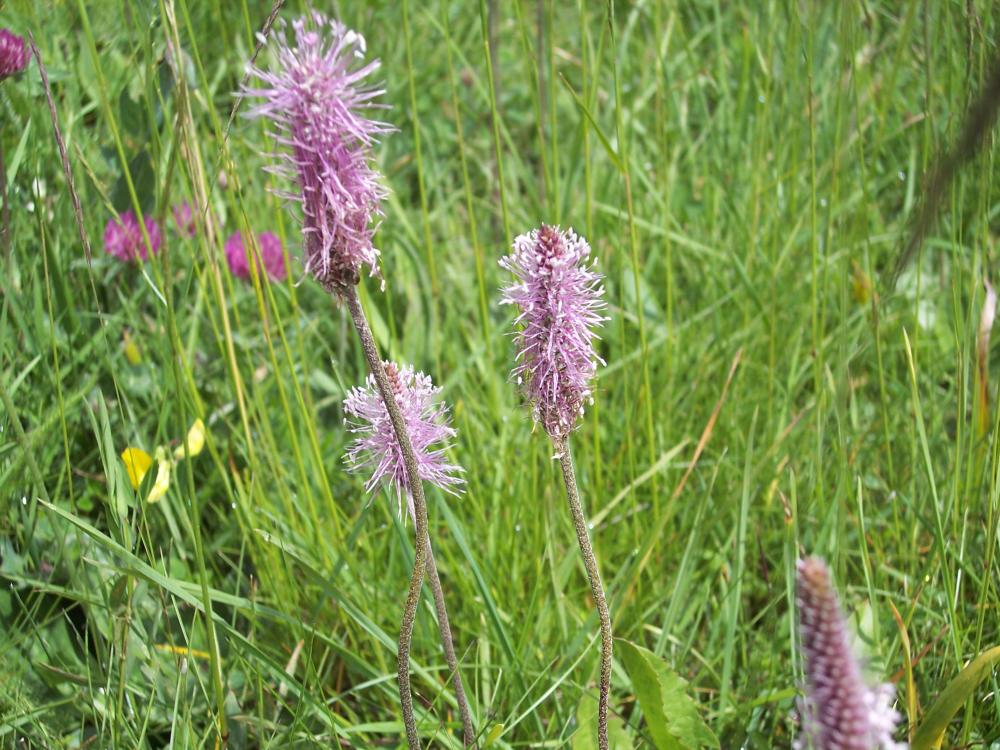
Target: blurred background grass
[(745, 176)]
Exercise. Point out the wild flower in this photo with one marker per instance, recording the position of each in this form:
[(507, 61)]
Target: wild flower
[(123, 237), (138, 462), (316, 98), (13, 54), (271, 255), (841, 711), (559, 299), (184, 219), (377, 447)]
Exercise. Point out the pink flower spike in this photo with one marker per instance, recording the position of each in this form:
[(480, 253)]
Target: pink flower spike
[(124, 240), (184, 219), (316, 98), (559, 300), (238, 256), (13, 54), (377, 448), (841, 711)]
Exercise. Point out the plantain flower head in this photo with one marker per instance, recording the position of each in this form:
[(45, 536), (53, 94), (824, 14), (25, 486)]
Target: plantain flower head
[(13, 54), (317, 99), (841, 711), (376, 448), (559, 298)]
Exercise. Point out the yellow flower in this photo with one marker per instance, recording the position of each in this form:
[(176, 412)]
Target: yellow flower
[(195, 441), (137, 463), (132, 353), (162, 482)]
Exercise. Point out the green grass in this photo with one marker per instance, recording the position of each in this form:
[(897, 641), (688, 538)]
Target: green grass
[(742, 174)]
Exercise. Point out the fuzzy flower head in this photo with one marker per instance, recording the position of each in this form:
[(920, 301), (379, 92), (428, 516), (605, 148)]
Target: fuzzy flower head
[(559, 298), (316, 98), (376, 447), (238, 255), (184, 219), (123, 237), (841, 711), (13, 54)]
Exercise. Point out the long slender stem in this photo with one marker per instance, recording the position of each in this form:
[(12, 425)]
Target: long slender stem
[(419, 512), (468, 732), (424, 555), (594, 576)]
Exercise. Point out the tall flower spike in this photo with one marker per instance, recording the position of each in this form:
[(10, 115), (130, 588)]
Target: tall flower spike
[(13, 54), (377, 447), (842, 712), (559, 297), (316, 97)]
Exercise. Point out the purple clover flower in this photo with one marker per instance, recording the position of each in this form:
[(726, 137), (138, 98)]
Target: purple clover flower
[(123, 238), (377, 448), (238, 255), (841, 711), (316, 97), (184, 219), (559, 297), (13, 54)]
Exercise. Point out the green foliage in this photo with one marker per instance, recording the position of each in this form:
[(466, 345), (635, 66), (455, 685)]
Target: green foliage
[(930, 735), (672, 718)]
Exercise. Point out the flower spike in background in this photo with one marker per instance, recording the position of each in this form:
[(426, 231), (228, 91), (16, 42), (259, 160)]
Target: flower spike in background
[(842, 712), (316, 97)]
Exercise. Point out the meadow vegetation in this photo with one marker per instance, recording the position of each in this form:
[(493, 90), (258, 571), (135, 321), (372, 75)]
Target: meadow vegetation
[(746, 174)]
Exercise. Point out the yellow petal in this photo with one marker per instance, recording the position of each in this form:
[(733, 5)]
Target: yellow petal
[(195, 441), (132, 353), (162, 481), (137, 463)]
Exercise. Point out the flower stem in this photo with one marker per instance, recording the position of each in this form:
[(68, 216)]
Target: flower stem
[(419, 512), (596, 589), (423, 556), (468, 732)]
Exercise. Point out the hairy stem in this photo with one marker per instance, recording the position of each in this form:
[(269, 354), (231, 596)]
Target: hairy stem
[(594, 576), (468, 732), (419, 512)]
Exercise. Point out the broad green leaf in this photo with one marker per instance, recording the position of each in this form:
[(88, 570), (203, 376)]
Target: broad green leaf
[(585, 737), (930, 735), (672, 718)]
